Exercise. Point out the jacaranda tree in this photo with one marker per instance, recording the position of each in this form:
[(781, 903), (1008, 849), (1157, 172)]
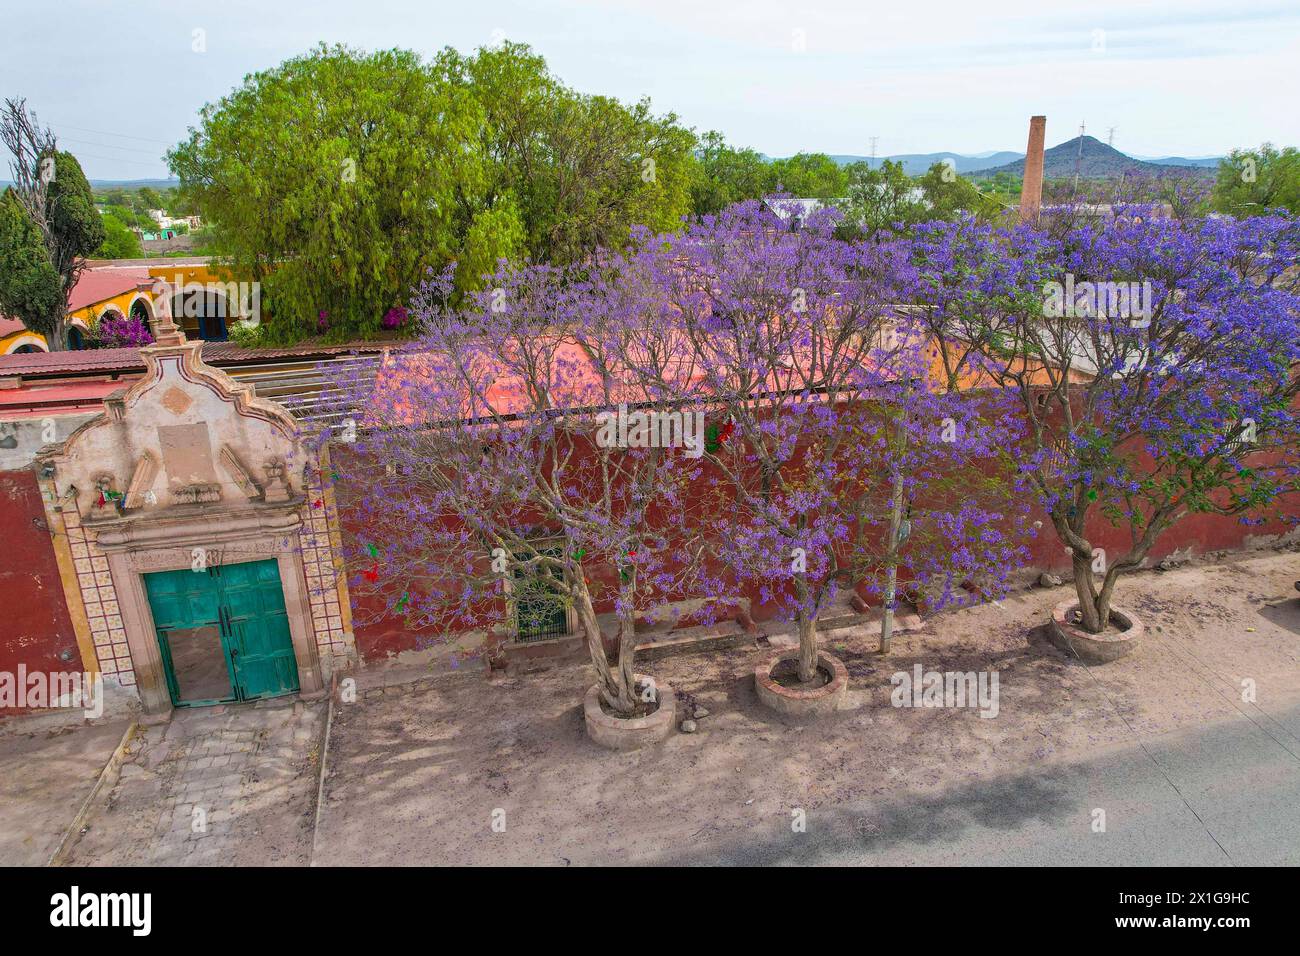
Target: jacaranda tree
[(511, 484), (1153, 360), (702, 415), (821, 407)]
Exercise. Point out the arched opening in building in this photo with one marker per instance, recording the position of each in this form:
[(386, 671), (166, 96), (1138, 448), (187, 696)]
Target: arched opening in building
[(201, 313), (140, 312), (76, 338), (27, 349), (110, 314)]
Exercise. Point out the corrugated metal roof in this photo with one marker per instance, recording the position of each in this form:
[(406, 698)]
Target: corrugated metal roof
[(48, 364)]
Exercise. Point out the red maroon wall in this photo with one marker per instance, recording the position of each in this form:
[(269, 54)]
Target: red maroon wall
[(34, 623), (379, 634)]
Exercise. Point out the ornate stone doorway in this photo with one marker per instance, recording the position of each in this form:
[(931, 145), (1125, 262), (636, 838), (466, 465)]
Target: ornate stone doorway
[(184, 471)]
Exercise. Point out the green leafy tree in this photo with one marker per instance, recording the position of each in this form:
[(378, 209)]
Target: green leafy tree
[(580, 171), (130, 217), (1250, 182), (809, 176), (950, 195), (336, 179), (340, 178), (48, 225), (119, 241), (30, 287), (116, 196), (886, 200), (179, 203), (150, 199), (881, 199), (726, 175)]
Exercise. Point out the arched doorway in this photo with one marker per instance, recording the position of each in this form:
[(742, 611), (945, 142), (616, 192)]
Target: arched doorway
[(140, 312), (201, 313), (110, 337), (76, 339)]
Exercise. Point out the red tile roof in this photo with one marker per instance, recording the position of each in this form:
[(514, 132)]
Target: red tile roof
[(96, 285), (53, 363)]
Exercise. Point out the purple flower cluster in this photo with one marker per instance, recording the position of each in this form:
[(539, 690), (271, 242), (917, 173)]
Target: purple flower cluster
[(117, 331)]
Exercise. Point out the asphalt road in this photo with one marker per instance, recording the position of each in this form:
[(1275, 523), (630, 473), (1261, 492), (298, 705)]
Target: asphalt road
[(1223, 795)]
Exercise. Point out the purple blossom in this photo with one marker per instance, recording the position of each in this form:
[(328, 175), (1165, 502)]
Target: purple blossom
[(116, 331)]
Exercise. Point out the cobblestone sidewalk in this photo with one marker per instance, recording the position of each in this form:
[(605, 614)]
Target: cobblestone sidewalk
[(216, 786)]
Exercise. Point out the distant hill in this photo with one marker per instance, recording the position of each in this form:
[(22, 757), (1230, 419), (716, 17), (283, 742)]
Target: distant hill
[(914, 164), (1099, 161), (1204, 162), (1095, 160), (134, 183), (121, 183)]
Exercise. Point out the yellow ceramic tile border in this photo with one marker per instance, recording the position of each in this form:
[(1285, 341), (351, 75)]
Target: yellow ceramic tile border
[(336, 548), (68, 579)]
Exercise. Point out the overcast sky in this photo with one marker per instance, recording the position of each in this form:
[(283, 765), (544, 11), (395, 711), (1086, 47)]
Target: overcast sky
[(120, 80)]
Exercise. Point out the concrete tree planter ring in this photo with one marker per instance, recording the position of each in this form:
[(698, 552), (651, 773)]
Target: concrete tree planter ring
[(1094, 648), (801, 701), (621, 733)]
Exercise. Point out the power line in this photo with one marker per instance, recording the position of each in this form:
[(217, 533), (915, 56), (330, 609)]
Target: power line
[(121, 159), (104, 132), (129, 149)]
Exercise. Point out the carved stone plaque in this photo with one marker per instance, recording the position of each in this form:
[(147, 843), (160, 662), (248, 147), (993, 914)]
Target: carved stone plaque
[(187, 455)]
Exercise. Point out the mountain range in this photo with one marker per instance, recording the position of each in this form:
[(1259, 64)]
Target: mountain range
[(121, 183), (916, 163), (1099, 161), (1093, 159)]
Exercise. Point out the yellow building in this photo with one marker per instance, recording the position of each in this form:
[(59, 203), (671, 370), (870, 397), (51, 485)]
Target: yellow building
[(203, 302)]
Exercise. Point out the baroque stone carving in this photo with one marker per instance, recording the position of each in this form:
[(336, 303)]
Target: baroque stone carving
[(239, 474), (138, 491), (277, 485), (196, 494)]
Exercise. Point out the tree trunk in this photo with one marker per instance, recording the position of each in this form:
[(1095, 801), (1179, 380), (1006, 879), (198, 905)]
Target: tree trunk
[(627, 663), (1092, 621), (891, 573), (57, 340), (891, 598), (1103, 599), (807, 628), (807, 647), (613, 691)]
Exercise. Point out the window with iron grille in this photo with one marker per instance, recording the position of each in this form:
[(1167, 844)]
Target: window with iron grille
[(539, 610)]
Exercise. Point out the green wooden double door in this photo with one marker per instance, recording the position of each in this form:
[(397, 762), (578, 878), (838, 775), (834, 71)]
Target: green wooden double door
[(223, 632)]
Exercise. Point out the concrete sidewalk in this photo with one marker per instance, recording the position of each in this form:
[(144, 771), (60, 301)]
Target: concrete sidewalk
[(218, 786)]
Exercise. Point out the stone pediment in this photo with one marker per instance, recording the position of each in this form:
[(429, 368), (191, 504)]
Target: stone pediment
[(185, 435)]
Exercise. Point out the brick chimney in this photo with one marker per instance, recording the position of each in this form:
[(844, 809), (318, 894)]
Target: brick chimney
[(1031, 190)]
